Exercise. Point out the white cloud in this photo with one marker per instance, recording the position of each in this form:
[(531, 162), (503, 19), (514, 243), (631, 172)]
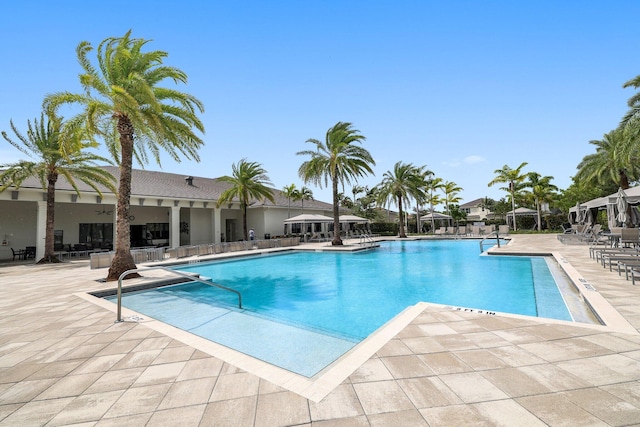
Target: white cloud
[(473, 159)]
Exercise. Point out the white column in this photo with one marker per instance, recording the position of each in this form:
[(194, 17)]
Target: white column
[(174, 238), (41, 229), (217, 224)]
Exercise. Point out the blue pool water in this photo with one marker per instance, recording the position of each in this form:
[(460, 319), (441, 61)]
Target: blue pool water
[(347, 296)]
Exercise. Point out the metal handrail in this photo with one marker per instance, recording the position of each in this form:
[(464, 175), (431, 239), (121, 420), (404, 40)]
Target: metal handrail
[(179, 273), (365, 238), (488, 236)]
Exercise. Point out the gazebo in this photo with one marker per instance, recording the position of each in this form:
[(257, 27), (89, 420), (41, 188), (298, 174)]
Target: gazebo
[(310, 223), (436, 216), (522, 212)]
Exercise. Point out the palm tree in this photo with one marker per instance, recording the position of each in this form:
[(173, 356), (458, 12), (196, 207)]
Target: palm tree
[(404, 182), (512, 177), (338, 160), (631, 120), (424, 177), (303, 194), (433, 184), (249, 182), (612, 162), (55, 152), (450, 190), (541, 190), (124, 103), (289, 191)]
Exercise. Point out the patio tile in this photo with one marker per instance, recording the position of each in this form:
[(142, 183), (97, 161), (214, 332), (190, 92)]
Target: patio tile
[(281, 409), (113, 380), (481, 359), (372, 370), (25, 391), (403, 418), (158, 374), (235, 385), (605, 406), (359, 421), (407, 366), (85, 408), (71, 385), (454, 415), (138, 400), (507, 413), (187, 393), (36, 413), (445, 363), (232, 412), (382, 396), (553, 377), (342, 402), (557, 410), (183, 417), (515, 382), (199, 368), (174, 354), (137, 359), (424, 345), (472, 387), (428, 392), (394, 347)]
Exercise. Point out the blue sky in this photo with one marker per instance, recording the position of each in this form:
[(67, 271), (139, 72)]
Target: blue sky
[(463, 87)]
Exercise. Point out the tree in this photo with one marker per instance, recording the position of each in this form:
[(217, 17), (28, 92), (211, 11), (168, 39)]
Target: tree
[(289, 191), (55, 152), (451, 190), (404, 182), (123, 102), (337, 160), (631, 120), (615, 160), (512, 177), (249, 181), (422, 197), (303, 194), (542, 191), (433, 199)]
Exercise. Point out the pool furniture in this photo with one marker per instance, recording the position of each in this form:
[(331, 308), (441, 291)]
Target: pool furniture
[(19, 254), (30, 252)]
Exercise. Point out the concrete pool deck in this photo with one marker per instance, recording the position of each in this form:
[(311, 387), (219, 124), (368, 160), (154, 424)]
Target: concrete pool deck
[(63, 361)]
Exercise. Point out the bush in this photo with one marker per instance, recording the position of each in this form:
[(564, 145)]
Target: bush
[(384, 228)]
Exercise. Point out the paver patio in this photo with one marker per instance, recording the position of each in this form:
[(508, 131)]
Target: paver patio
[(63, 361)]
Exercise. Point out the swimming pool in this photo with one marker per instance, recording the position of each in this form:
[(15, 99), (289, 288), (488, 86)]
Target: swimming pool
[(344, 297)]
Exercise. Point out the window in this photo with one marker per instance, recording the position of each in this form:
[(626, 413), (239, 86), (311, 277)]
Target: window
[(158, 230), (96, 234)]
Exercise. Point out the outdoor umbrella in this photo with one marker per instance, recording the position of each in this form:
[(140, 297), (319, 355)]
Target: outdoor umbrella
[(621, 204)]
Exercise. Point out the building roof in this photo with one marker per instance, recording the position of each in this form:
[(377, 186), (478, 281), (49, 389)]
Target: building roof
[(473, 203), (146, 183)]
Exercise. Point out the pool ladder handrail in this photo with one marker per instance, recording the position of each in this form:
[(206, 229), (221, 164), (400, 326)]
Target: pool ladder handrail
[(168, 270), (366, 239), (488, 236)]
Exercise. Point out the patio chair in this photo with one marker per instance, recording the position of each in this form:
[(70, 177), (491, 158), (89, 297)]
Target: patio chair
[(19, 254)]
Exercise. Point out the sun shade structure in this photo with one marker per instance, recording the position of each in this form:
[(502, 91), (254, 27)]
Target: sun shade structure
[(308, 218), (353, 218)]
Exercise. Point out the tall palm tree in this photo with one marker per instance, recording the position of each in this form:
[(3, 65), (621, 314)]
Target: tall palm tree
[(424, 177), (613, 161), (289, 191), (631, 120), (338, 160), (542, 190), (450, 190), (249, 181), (303, 194), (122, 101), (433, 184), (512, 177), (404, 182), (55, 152)]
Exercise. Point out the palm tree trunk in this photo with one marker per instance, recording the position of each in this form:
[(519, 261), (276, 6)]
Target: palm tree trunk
[(513, 209), (402, 232), (244, 221), (539, 216), (122, 260), (49, 255), (337, 241)]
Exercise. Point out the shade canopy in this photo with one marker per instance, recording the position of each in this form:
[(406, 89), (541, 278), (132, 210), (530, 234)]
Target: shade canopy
[(352, 218), (524, 212), (308, 218), (435, 215)]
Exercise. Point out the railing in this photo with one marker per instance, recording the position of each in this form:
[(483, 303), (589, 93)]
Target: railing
[(179, 273), (488, 236), (365, 240)]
